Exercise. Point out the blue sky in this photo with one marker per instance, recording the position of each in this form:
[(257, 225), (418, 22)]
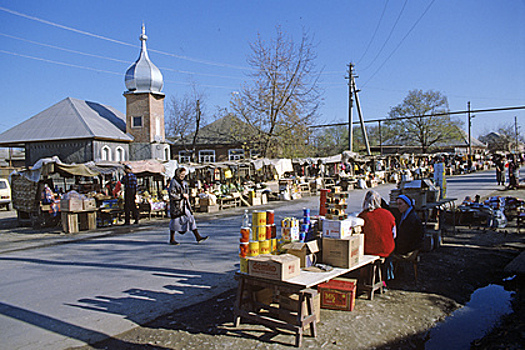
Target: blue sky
[(470, 50)]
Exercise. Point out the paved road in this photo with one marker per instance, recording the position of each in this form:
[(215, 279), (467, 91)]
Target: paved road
[(59, 296)]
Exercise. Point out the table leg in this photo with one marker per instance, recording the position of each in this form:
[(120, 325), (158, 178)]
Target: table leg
[(238, 302)]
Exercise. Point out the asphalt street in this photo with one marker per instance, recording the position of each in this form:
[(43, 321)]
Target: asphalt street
[(95, 285)]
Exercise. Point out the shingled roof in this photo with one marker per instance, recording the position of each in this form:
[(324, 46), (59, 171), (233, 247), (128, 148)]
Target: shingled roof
[(226, 130), (70, 119)]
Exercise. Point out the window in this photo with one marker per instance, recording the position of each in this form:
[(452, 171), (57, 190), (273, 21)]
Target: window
[(167, 153), (184, 156), (255, 153), (105, 153), (235, 154), (136, 122), (206, 156), (119, 154), (157, 126)]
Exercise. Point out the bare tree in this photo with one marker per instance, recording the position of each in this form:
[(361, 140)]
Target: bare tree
[(412, 122), (184, 119), (283, 95), (503, 139)]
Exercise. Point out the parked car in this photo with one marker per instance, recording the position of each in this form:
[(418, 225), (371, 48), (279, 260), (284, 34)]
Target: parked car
[(5, 194)]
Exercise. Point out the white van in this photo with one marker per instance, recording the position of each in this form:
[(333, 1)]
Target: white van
[(5, 194)]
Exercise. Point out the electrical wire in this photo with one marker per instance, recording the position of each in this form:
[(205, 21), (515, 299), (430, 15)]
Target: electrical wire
[(389, 36), (113, 59), (375, 32), (401, 42), (101, 37), (101, 70)]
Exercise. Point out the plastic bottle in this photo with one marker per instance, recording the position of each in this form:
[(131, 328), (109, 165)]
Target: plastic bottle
[(246, 222)]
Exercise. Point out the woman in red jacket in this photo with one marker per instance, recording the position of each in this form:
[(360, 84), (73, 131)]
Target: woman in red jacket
[(379, 228)]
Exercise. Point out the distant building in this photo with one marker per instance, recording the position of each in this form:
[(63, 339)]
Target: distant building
[(227, 138), (79, 131)]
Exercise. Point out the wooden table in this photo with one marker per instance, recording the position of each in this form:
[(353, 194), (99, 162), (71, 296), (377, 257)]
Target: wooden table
[(443, 205), (246, 306)]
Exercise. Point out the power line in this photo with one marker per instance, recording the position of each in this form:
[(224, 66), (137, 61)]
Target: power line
[(101, 37), (398, 45), (112, 59), (425, 116), (375, 32), (101, 70), (389, 36)]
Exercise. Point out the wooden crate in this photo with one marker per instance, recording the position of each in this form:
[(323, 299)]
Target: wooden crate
[(69, 222)]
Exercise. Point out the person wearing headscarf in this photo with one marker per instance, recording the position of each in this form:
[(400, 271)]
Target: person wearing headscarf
[(182, 219), (409, 228), (379, 228)]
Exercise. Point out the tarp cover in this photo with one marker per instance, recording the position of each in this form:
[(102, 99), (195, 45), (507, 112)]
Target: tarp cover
[(146, 167)]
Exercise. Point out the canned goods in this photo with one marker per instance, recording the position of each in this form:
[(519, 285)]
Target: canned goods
[(306, 212), (253, 248), (305, 227), (306, 220), (259, 218), (270, 217), (302, 236), (269, 231), (243, 249), (244, 265), (245, 234), (261, 232), (273, 233), (264, 247), (273, 245)]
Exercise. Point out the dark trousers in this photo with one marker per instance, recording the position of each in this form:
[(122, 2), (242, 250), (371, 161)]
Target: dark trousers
[(130, 206)]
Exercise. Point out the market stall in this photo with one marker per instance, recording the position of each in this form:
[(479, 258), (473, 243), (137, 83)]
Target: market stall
[(280, 282)]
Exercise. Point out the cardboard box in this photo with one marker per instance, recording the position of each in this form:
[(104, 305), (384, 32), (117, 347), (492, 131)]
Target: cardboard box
[(338, 294), (275, 267), (344, 253), (207, 201), (209, 208), (89, 204), (305, 251), (73, 204), (340, 229)]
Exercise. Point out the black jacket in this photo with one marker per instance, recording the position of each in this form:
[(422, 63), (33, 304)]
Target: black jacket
[(409, 235), (177, 201)]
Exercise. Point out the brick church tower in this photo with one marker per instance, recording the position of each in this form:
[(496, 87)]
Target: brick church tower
[(145, 108)]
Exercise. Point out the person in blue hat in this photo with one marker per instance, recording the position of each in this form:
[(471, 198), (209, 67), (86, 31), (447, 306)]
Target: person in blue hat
[(410, 231)]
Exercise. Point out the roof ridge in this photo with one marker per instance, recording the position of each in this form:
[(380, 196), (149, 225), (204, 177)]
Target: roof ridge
[(79, 115)]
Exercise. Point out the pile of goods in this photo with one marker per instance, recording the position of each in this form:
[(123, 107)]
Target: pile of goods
[(258, 236)]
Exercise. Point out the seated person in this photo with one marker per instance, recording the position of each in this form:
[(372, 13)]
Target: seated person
[(409, 230), (379, 228)]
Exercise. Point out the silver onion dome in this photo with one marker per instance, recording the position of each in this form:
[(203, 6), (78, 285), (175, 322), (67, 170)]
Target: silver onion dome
[(143, 75)]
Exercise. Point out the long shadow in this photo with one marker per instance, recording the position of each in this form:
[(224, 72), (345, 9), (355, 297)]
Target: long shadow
[(66, 329), (174, 272)]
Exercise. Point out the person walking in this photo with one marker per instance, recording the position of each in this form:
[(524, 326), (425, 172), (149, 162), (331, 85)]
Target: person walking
[(513, 173), (500, 171), (182, 219), (130, 191)]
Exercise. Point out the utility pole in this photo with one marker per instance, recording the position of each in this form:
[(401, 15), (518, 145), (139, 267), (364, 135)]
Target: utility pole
[(516, 133), (350, 107), (354, 91), (469, 139)]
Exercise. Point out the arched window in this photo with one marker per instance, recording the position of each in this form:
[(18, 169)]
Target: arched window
[(105, 153), (167, 153), (120, 155)]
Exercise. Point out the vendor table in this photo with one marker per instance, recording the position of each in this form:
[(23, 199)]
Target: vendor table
[(247, 306), (229, 202), (444, 204), (109, 215)]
